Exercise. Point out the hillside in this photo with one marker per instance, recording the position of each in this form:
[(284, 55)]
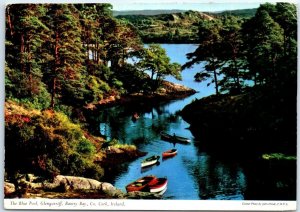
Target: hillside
[(245, 13), (170, 28), (146, 12), (173, 26)]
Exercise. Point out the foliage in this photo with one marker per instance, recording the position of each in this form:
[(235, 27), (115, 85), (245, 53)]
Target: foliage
[(47, 143), (278, 156), (155, 60), (241, 52), (62, 49)]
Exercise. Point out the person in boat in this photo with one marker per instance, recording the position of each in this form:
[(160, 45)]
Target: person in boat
[(135, 116), (174, 138)]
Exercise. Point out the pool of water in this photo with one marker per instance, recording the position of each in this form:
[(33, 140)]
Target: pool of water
[(192, 174)]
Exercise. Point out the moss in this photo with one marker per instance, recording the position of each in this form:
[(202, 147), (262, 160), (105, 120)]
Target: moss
[(278, 156), (126, 147)]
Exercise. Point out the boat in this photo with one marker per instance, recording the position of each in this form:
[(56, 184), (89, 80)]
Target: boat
[(150, 161), (135, 117), (159, 186), (174, 138), (169, 153), (142, 183)]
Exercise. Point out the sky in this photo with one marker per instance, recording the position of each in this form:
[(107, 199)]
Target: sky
[(200, 5), (184, 6)]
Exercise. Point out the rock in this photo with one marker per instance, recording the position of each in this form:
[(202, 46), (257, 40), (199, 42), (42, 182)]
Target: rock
[(107, 187), (63, 187), (143, 195), (73, 183), (115, 150), (31, 177), (9, 188)]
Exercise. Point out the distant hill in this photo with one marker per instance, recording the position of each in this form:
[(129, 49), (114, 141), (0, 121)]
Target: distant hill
[(145, 12), (245, 13), (178, 27), (241, 13), (173, 26)]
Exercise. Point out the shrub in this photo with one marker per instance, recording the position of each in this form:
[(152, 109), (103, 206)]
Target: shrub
[(85, 147), (47, 144)]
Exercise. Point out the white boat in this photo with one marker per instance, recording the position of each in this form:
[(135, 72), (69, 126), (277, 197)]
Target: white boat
[(160, 186), (150, 161)]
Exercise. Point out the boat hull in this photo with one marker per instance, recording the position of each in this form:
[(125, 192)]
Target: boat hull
[(141, 184), (176, 139), (150, 161), (160, 186), (169, 153)]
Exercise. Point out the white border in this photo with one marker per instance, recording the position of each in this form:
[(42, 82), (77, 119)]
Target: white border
[(109, 204), (112, 204)]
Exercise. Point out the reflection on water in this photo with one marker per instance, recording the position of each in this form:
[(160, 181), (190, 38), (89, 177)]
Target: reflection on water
[(192, 174)]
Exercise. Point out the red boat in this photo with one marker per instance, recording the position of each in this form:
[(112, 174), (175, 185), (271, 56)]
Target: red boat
[(161, 185), (169, 153), (142, 183)]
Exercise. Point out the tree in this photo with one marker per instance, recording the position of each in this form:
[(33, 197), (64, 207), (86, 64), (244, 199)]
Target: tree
[(155, 60), (64, 66), (25, 35), (208, 50), (231, 54), (263, 42)]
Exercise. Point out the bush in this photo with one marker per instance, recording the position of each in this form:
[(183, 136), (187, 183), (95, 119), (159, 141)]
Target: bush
[(47, 144), (85, 147)]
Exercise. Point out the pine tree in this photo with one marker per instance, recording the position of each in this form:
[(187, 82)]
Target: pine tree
[(24, 37), (65, 70)]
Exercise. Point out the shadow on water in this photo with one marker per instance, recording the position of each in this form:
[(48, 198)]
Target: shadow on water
[(208, 168), (246, 173), (149, 168)]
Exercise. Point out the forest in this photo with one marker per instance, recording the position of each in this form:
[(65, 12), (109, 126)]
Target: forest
[(63, 59)]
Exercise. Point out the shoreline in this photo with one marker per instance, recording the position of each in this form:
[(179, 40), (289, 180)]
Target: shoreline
[(169, 91), (105, 158)]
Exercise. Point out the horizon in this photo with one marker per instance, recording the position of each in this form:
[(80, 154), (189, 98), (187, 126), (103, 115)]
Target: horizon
[(202, 7), (217, 11)]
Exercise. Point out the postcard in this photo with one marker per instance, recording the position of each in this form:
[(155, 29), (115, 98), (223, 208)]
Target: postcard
[(161, 105)]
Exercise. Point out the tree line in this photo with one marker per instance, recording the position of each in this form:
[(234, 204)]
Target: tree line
[(240, 53), (74, 54)]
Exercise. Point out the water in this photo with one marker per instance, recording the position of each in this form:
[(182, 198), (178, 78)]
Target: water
[(193, 173)]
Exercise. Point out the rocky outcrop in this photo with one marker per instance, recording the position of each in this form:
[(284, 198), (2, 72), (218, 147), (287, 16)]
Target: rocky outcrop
[(72, 183), (69, 187), (9, 188)]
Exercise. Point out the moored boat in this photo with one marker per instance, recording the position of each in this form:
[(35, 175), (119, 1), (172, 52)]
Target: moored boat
[(142, 183), (135, 117), (160, 186), (150, 161), (174, 138), (169, 153)]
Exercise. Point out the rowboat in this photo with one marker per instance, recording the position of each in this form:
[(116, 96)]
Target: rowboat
[(150, 161), (142, 183), (159, 186), (169, 153), (135, 117), (174, 138)]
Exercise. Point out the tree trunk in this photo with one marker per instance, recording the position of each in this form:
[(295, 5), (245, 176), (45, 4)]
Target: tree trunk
[(22, 48), (238, 86), (53, 92), (9, 22), (215, 78)]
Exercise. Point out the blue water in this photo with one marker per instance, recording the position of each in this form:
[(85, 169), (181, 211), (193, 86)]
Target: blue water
[(193, 174)]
